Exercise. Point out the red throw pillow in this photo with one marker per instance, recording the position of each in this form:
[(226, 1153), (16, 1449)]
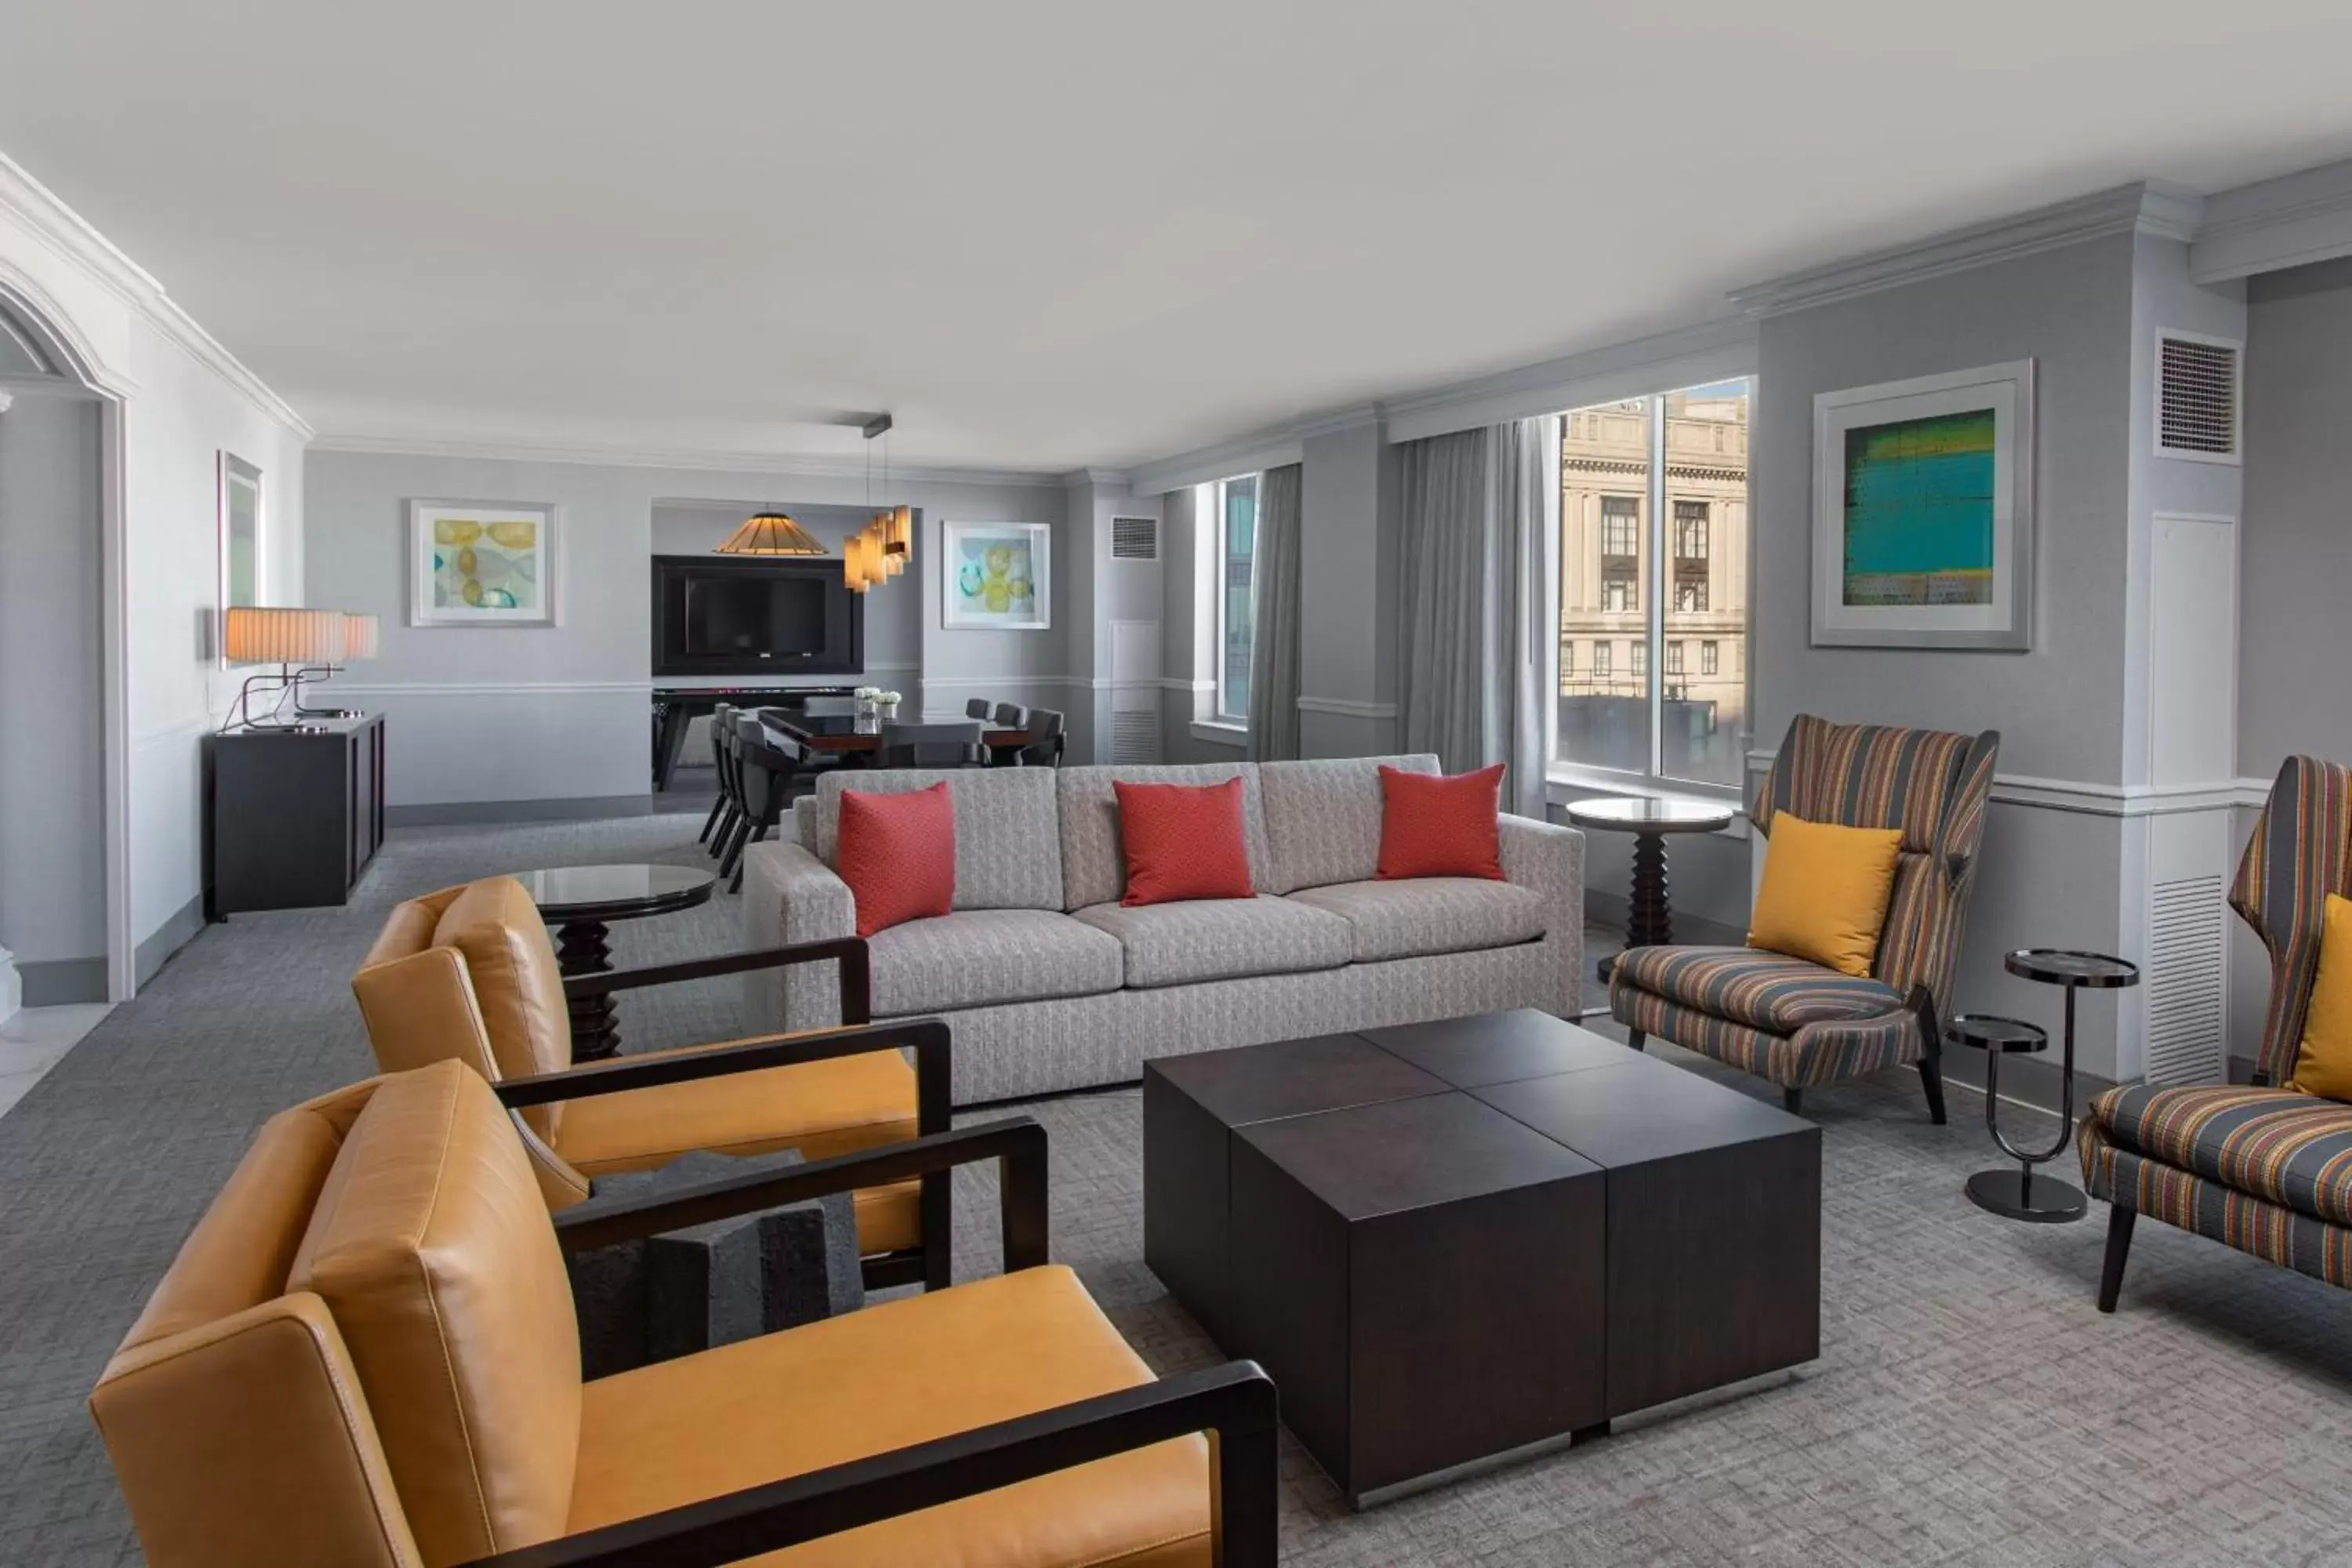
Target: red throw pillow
[(898, 854), (1182, 841), (1437, 827)]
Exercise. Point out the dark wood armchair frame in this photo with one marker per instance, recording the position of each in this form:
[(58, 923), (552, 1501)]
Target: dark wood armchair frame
[(1235, 1404), (927, 1037)]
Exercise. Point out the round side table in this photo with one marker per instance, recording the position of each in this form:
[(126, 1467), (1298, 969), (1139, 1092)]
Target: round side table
[(1649, 919), (2019, 1194), (581, 902)]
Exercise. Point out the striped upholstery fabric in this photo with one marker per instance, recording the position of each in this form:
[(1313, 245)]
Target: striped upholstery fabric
[(1932, 784), (1761, 990), (1817, 1053), (2269, 1231), (2301, 852), (2289, 1149)]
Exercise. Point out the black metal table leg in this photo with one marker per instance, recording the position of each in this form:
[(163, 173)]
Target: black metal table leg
[(672, 720), (2019, 1193), (582, 948)]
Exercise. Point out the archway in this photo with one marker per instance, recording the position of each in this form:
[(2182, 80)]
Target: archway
[(64, 894)]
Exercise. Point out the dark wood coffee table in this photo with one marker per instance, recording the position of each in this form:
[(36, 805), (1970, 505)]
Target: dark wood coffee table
[(1461, 1242)]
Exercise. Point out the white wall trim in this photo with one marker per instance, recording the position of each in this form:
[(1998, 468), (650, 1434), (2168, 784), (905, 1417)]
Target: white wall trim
[(2140, 208), (75, 239), (322, 690), (1688, 356), (2296, 218), (1346, 709), (1247, 455), (2094, 799), (1216, 733), (682, 459)]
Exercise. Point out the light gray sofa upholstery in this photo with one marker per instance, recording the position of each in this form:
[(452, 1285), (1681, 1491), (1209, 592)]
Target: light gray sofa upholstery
[(1051, 983)]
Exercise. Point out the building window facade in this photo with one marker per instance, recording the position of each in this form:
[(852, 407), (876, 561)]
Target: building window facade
[(1236, 523), (1680, 456)]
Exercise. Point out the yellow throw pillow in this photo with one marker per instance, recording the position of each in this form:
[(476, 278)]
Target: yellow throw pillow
[(2323, 1064), (1825, 892)]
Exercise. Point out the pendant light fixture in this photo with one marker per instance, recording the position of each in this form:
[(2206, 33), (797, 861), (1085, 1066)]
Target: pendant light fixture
[(771, 533)]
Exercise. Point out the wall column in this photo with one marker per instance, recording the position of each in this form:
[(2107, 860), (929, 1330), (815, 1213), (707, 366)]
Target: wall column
[(1348, 593)]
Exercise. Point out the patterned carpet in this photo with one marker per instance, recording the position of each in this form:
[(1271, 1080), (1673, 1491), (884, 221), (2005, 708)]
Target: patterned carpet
[(1970, 1406)]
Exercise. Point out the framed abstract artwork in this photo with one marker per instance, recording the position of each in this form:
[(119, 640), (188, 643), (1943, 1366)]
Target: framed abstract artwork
[(482, 563), (1923, 511), (996, 576), (237, 500)]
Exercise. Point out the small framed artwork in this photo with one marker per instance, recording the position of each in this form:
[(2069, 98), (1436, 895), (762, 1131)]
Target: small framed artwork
[(482, 563), (996, 576), (238, 503), (1923, 511)]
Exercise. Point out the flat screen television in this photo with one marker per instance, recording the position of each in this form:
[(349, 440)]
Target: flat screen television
[(721, 617)]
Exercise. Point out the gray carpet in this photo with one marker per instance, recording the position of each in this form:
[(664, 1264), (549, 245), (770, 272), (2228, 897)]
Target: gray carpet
[(1970, 1406)]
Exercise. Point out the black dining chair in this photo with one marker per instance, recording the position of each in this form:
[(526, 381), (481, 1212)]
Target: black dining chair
[(931, 746), (1010, 716), (723, 809), (1048, 735), (979, 708), (772, 765)]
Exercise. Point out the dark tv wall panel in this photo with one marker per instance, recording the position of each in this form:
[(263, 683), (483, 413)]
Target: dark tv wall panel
[(826, 633)]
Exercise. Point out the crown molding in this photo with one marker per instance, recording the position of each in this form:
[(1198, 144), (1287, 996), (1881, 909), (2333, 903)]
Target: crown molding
[(1703, 350), (77, 241), (2297, 219), (1079, 478), (685, 459), (2140, 208)]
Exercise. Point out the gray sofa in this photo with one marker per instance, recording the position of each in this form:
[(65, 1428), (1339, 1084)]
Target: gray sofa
[(1051, 985)]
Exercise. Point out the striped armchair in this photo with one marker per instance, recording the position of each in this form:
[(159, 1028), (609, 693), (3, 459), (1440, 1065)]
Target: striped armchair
[(2266, 1170), (1797, 1023)]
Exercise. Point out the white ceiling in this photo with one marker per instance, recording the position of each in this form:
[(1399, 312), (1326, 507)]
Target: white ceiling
[(1055, 233)]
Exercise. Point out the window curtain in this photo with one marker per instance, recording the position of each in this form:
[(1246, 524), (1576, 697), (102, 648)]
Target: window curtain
[(1479, 516), (1273, 609)]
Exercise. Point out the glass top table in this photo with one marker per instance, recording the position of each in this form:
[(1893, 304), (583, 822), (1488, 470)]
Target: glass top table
[(581, 902), (1649, 917)]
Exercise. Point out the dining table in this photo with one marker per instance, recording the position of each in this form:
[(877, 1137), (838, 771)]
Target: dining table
[(843, 733)]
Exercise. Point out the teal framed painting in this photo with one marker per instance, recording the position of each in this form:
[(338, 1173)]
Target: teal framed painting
[(483, 563), (1923, 513)]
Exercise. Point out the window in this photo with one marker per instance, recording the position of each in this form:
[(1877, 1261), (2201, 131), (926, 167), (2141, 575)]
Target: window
[(1236, 515), (1682, 582), (1567, 659)]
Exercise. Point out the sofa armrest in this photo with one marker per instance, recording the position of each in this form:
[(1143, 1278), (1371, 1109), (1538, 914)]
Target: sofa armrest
[(790, 897), (1550, 860)]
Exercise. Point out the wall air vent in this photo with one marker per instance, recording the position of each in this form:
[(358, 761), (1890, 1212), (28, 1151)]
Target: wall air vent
[(2199, 398), (1134, 736), (2188, 938), (1135, 539)]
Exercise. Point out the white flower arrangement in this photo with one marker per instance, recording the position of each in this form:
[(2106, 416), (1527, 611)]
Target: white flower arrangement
[(867, 693), (892, 698)]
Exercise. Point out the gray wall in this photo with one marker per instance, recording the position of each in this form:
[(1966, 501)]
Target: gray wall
[(2058, 707), (558, 714), (52, 783), (2295, 543)]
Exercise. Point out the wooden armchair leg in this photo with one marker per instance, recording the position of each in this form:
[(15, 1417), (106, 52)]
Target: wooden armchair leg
[(2111, 1273), (1931, 1079), (1793, 1100), (1634, 1037)]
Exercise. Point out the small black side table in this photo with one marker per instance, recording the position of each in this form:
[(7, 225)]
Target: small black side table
[(1649, 919), (581, 902), (2019, 1194)]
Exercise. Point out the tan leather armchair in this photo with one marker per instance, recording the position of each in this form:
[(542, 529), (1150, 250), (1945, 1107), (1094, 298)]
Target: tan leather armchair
[(366, 1355), (468, 973)]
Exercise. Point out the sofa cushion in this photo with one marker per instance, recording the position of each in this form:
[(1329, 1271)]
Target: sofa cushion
[(1093, 870), (1008, 853), (1427, 915), (1221, 939), (1323, 818), (897, 853), (975, 957), (1182, 841), (1442, 827), (1765, 991), (889, 1377), (2285, 1147)]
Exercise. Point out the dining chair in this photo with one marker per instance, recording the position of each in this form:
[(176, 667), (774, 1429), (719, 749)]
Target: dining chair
[(1010, 716), (1048, 735), (771, 764), (979, 708), (727, 750), (721, 814), (931, 746)]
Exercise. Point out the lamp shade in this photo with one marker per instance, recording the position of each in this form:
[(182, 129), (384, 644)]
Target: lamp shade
[(771, 533), (273, 635), (902, 531), (852, 563), (359, 637)]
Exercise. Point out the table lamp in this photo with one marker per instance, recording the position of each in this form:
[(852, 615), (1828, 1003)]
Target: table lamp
[(358, 642), (286, 638)]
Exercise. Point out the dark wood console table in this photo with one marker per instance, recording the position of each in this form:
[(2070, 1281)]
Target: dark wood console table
[(676, 707), (291, 817)]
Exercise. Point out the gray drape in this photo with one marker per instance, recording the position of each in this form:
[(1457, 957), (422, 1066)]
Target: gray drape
[(1479, 516), (1273, 609)]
